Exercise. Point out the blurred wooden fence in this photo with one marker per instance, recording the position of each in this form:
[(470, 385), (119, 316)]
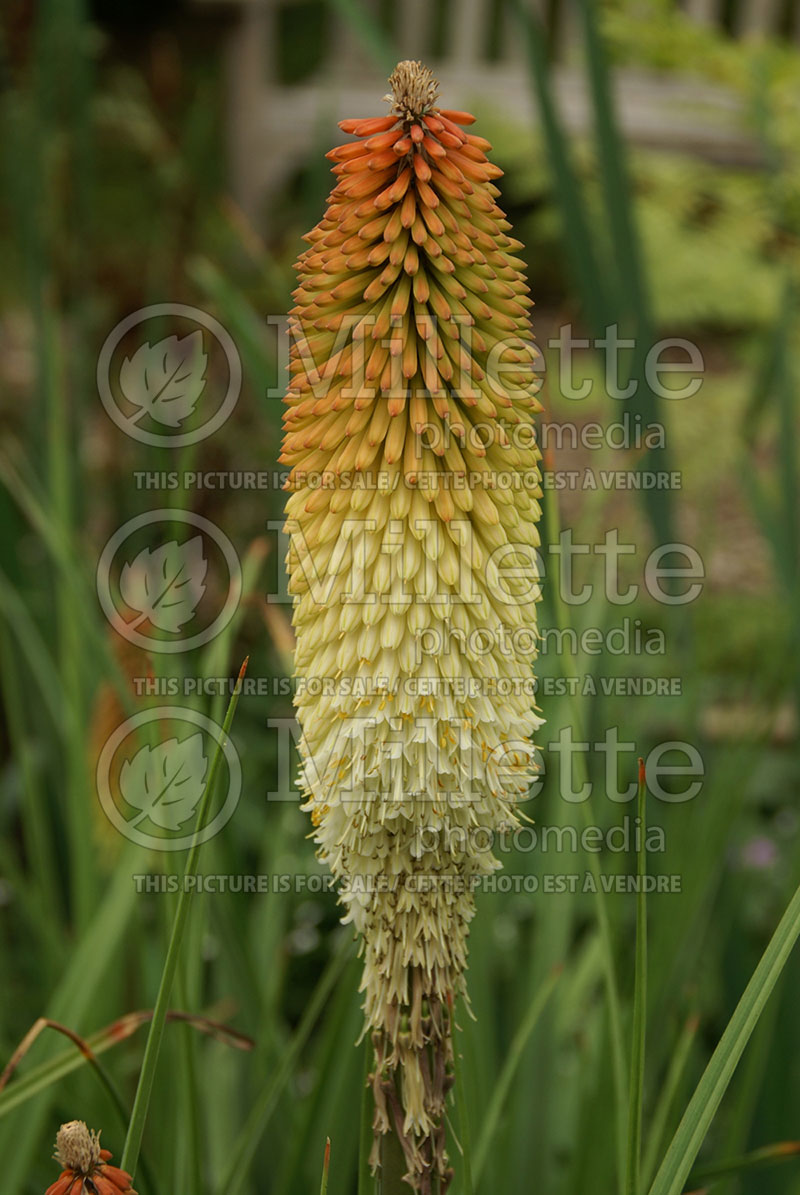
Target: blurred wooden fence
[(477, 52)]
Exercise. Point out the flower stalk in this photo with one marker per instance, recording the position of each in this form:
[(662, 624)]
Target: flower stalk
[(414, 496)]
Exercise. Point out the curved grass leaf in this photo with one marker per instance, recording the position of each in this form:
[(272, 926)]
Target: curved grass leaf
[(691, 1132), (767, 1155), (245, 1146), (506, 1078), (144, 1088), (669, 1087)]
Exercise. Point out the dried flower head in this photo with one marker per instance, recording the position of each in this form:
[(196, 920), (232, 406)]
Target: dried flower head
[(414, 90), (413, 568), (85, 1165)]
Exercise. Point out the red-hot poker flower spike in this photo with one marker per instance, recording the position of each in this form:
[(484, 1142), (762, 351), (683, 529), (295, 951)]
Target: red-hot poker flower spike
[(414, 499)]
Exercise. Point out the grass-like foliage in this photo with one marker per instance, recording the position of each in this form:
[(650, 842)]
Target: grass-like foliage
[(614, 1046)]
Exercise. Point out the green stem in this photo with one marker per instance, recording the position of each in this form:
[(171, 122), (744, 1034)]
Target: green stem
[(366, 1186), (323, 1187), (767, 1155), (502, 1087), (553, 529), (393, 1166), (663, 1106), (463, 1114), (245, 1146), (122, 1111), (634, 1153), (133, 1141)]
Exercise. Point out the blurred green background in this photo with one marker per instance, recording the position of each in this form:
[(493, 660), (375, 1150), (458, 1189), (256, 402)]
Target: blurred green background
[(133, 172)]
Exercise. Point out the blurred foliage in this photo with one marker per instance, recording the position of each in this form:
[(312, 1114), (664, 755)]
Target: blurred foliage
[(716, 239), (707, 233), (763, 72), (114, 196)]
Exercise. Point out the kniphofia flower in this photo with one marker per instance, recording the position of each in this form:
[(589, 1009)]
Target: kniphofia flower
[(87, 1169), (412, 523)]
